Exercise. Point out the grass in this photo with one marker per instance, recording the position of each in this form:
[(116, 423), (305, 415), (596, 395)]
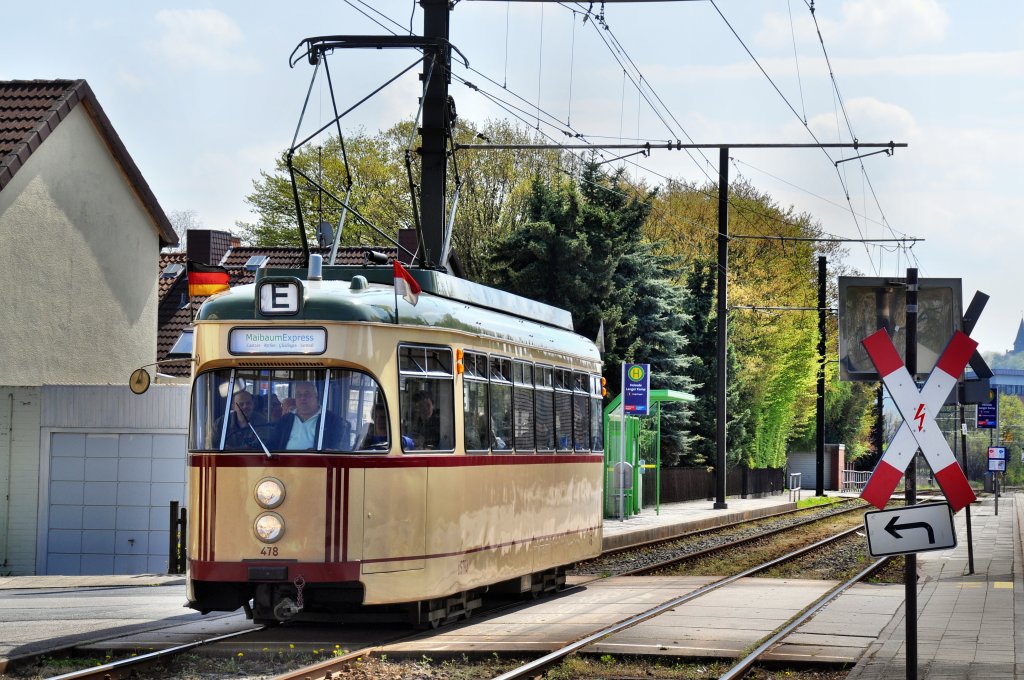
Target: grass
[(812, 501)]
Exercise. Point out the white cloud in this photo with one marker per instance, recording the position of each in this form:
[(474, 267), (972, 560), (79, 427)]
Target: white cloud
[(907, 23), (871, 119), (201, 38), (896, 24)]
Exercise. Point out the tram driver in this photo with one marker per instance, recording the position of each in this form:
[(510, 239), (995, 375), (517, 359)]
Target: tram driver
[(298, 431)]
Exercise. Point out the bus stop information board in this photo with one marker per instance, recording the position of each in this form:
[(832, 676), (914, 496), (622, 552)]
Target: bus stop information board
[(636, 388), (997, 459), (988, 413)]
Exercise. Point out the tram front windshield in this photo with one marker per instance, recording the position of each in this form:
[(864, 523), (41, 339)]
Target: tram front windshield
[(252, 410)]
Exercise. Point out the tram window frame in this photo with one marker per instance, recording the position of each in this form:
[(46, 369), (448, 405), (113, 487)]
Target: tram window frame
[(544, 407), (523, 430), (474, 391), (214, 391), (499, 406), (596, 414), (581, 411), (420, 376), (563, 410)]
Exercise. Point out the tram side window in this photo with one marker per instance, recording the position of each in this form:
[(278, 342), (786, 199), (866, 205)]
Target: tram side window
[(581, 411), (426, 397), (596, 414), (500, 371), (474, 400), (563, 409), (522, 397), (544, 414)]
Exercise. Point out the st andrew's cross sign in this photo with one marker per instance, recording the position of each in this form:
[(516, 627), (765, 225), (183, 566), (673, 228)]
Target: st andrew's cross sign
[(919, 429)]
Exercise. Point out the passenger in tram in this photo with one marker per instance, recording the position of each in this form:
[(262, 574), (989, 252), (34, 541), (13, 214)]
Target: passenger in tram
[(377, 434), (298, 431), (426, 421), (275, 408), (240, 423)]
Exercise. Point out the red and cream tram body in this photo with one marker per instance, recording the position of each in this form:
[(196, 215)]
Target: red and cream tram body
[(349, 451)]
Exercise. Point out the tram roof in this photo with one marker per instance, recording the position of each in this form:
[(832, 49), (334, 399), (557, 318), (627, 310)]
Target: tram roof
[(449, 302)]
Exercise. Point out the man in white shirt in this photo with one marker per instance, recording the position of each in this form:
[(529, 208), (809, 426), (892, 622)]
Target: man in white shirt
[(299, 431)]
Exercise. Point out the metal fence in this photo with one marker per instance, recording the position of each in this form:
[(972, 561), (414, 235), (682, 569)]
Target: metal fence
[(794, 486), (693, 484), (855, 480)]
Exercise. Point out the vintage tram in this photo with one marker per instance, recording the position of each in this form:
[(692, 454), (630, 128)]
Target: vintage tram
[(351, 453)]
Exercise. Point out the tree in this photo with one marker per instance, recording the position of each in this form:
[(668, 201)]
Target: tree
[(701, 330), (182, 221), (582, 249), (495, 187)]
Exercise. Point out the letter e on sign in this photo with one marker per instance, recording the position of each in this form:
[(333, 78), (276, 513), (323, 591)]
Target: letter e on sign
[(279, 298)]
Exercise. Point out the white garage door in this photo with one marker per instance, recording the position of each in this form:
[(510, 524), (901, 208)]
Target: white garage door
[(108, 501)]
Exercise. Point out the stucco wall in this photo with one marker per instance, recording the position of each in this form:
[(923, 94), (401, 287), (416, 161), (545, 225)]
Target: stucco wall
[(78, 266)]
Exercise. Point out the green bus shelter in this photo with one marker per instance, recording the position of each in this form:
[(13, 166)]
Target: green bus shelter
[(626, 468)]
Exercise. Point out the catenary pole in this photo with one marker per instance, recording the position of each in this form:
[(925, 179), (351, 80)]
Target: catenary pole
[(819, 416), (910, 564), (723, 323)]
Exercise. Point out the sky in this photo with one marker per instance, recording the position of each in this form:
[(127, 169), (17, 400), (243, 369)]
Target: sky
[(203, 97)]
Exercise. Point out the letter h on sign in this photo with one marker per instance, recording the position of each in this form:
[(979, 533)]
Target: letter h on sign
[(278, 298)]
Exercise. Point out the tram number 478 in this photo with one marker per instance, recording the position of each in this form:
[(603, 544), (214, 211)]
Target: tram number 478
[(269, 551)]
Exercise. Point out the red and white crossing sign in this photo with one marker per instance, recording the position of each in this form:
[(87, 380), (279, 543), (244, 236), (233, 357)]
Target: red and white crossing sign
[(919, 429)]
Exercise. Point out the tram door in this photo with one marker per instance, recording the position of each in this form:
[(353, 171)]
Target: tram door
[(394, 519)]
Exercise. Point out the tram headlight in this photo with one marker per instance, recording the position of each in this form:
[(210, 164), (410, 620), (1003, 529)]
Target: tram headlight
[(269, 527), (269, 493)]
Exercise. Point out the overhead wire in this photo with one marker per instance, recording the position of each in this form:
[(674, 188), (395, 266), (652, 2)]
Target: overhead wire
[(617, 49), (807, 126)]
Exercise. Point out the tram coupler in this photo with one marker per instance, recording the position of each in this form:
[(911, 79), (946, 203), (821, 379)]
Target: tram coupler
[(286, 609)]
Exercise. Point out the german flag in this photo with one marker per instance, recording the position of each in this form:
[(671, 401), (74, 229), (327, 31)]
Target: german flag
[(206, 279)]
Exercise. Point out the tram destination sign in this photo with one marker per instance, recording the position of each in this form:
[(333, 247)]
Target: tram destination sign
[(276, 340), (912, 529)]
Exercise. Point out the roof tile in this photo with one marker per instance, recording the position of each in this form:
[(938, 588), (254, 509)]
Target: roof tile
[(173, 318)]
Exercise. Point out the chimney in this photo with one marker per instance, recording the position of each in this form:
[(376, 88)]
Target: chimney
[(208, 246), (407, 240)]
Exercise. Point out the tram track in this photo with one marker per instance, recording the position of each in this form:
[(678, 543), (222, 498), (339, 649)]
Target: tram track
[(541, 664), (336, 665)]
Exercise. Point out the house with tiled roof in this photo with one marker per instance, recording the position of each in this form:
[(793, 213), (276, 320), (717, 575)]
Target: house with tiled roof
[(80, 237), (86, 468), (242, 263)]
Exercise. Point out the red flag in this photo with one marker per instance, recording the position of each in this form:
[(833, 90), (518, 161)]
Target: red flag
[(405, 284), (205, 279)]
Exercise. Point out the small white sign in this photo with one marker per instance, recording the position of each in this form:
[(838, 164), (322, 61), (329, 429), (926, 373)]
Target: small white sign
[(277, 340), (996, 465), (913, 529), (279, 298)]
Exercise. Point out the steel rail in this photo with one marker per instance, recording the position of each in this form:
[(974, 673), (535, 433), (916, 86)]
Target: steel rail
[(123, 667), (741, 667), (721, 527), (553, 657), (689, 557)]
